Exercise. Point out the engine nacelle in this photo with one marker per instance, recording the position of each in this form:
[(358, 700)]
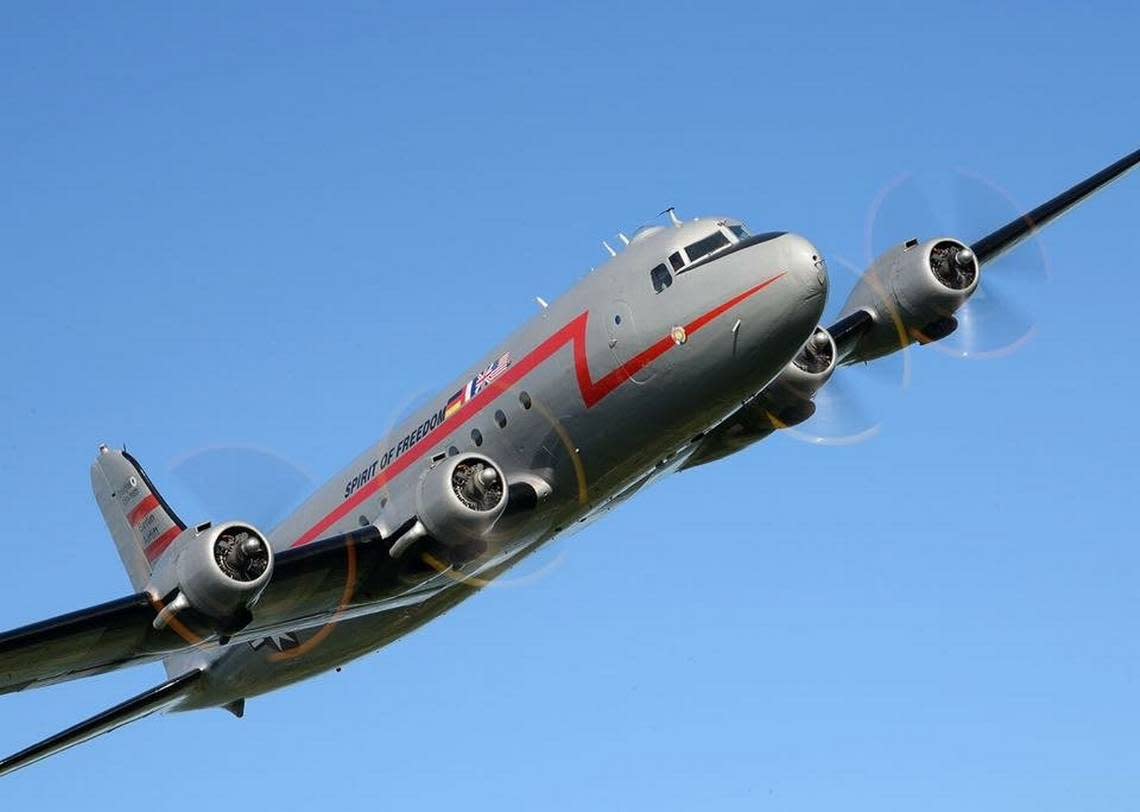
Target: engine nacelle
[(460, 499), (218, 570), (804, 375), (785, 402), (912, 292)]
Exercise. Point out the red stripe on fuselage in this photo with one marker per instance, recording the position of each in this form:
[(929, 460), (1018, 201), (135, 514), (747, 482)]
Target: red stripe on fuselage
[(592, 392)]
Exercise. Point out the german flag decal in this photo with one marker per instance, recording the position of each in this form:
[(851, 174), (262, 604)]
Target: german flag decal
[(454, 403)]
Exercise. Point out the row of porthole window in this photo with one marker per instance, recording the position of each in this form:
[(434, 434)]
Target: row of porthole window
[(476, 438), (500, 419)]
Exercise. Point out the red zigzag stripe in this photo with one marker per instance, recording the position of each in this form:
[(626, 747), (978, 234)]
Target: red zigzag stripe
[(593, 391)]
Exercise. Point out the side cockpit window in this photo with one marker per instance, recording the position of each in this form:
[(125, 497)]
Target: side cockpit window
[(694, 253), (702, 248)]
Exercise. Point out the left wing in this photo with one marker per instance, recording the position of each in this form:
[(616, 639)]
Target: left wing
[(137, 707), (339, 577)]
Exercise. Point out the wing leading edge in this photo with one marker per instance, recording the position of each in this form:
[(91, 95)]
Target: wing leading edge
[(993, 245)]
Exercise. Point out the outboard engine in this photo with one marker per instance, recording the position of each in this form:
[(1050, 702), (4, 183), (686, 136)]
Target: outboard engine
[(219, 571), (912, 292)]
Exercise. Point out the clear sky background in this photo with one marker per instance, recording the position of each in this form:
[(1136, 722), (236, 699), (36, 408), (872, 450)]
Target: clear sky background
[(272, 226)]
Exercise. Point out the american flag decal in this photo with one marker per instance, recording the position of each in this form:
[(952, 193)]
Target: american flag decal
[(476, 385), (488, 375)]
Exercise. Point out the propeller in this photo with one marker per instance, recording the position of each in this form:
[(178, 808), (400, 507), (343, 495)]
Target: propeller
[(241, 481), (994, 322), (264, 487), (842, 415), (961, 204), (258, 484), (242, 554)]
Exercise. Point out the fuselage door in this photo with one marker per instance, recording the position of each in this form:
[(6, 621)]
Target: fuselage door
[(625, 340)]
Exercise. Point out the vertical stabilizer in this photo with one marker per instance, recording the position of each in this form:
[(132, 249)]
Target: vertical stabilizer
[(141, 523)]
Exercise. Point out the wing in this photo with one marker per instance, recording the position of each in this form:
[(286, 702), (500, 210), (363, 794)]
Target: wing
[(146, 703), (993, 245), (848, 331), (345, 575)]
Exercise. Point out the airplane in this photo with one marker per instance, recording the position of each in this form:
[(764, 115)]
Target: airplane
[(695, 341)]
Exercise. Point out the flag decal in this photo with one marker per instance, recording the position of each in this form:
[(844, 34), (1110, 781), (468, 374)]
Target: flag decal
[(476, 385)]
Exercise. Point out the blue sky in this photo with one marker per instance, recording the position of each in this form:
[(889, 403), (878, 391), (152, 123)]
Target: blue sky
[(261, 226)]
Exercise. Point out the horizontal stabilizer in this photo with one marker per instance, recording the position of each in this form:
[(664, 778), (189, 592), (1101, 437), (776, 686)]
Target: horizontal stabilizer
[(144, 704)]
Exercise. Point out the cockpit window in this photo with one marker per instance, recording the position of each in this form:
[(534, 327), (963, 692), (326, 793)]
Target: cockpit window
[(661, 277), (676, 261), (740, 231), (702, 248)]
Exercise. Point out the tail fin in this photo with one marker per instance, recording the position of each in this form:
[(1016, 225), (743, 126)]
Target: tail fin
[(139, 519)]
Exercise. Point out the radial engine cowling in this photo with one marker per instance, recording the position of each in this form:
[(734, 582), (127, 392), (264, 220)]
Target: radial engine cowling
[(461, 498), (219, 571), (785, 402), (804, 375), (912, 291)]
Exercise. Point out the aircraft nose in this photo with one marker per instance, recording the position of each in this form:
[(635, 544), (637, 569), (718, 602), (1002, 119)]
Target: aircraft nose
[(806, 264)]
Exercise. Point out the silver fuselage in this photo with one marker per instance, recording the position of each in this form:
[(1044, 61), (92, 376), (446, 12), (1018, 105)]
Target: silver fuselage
[(606, 390)]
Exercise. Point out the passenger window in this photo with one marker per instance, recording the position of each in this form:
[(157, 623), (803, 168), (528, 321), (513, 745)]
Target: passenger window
[(702, 248), (676, 261), (661, 277)]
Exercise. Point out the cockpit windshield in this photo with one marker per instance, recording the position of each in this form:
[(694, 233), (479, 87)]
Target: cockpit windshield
[(726, 234), (704, 247)]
